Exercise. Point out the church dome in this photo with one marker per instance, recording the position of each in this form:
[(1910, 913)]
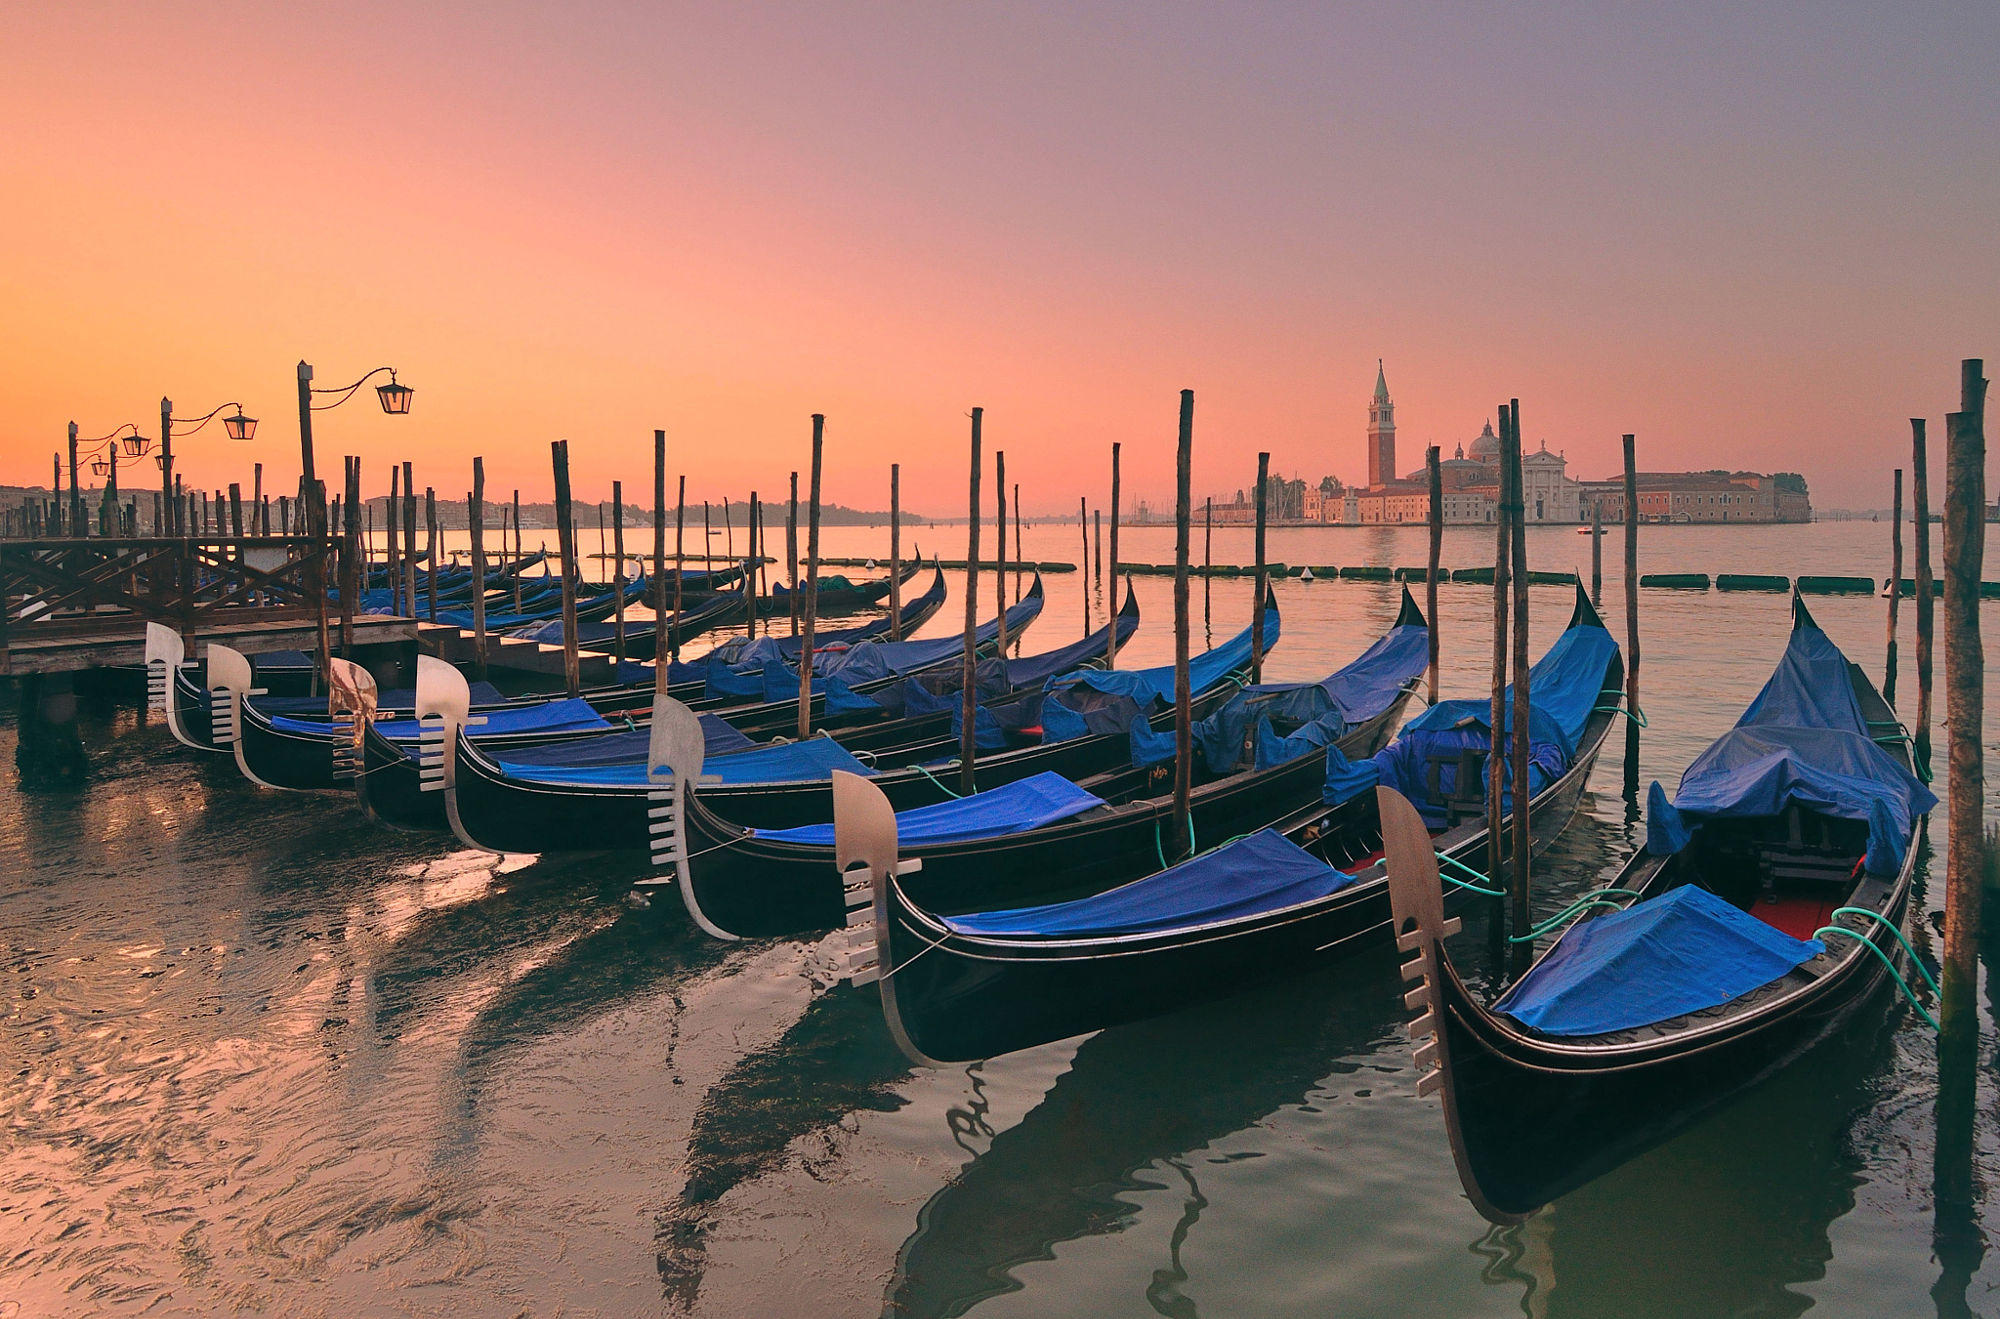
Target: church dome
[(1486, 448)]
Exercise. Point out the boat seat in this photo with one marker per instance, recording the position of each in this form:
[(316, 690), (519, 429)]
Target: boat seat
[(1467, 797)]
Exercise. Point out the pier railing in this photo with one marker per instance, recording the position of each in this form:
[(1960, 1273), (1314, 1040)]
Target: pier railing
[(67, 588)]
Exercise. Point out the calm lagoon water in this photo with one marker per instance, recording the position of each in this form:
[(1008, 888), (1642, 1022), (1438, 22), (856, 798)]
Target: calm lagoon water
[(261, 1057)]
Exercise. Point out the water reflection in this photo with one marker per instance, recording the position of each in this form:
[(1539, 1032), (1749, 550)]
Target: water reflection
[(836, 1059), (1135, 1098)]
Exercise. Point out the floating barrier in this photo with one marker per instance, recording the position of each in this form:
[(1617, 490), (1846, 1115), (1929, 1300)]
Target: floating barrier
[(1367, 574), (1736, 581), (1536, 578), (1836, 585), (1477, 576), (1908, 587), (1676, 581), (1421, 574)]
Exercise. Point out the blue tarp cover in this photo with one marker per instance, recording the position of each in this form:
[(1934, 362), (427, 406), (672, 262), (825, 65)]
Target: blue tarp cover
[(1803, 742), (1263, 872), (566, 716), (1013, 808), (1157, 684), (1315, 712), (623, 747), (809, 761), (1563, 687), (402, 699), (1678, 953)]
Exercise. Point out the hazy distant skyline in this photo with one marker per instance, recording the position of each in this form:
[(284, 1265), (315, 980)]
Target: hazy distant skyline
[(1755, 239)]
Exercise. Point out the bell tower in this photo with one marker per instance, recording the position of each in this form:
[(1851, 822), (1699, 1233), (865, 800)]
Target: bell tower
[(1381, 432)]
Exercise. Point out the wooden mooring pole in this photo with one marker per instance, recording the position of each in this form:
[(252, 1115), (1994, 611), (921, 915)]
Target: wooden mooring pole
[(1632, 714), (1000, 547), (968, 664), (812, 582), (1597, 552), (1517, 530), (680, 562), (1083, 530), (1259, 585), (662, 662), (1920, 537), (393, 518), (1895, 590), (756, 559), (1965, 707), (1207, 565), (353, 557), (895, 551), (475, 522), (1435, 470), (1111, 643), (1496, 756), (792, 554), (1017, 542), (409, 541), (1183, 825), (566, 546), (431, 553), (618, 570)]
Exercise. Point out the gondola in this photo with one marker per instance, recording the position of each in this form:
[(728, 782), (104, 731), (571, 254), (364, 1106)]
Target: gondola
[(968, 986), (1044, 836), (1711, 961), (395, 795), (283, 736), (593, 796), (838, 594)]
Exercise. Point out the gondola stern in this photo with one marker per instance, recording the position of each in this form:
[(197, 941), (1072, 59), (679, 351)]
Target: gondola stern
[(1410, 615), (1417, 902), (867, 861), (676, 749)]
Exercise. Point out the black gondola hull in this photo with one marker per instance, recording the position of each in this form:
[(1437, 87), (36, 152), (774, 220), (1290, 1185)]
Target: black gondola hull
[(755, 888)]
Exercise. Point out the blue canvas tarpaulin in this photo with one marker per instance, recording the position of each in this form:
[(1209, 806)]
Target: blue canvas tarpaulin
[(1563, 689), (1803, 742), (1263, 872), (570, 716), (1013, 808), (1316, 712), (622, 748), (1666, 957), (810, 761), (1157, 684)]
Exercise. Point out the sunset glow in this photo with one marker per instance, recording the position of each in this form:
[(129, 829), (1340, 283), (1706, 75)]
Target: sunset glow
[(584, 222)]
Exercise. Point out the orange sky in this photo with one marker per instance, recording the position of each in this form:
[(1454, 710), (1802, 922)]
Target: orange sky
[(1754, 242)]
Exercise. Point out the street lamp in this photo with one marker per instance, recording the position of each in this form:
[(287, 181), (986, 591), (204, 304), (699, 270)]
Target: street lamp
[(395, 399), (238, 427), (105, 464)]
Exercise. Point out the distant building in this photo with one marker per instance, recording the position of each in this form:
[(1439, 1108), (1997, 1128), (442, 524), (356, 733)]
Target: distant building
[(1711, 496), (1381, 432)]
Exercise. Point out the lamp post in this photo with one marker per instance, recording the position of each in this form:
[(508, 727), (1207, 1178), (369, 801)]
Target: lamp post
[(395, 400), (239, 427), (105, 464)]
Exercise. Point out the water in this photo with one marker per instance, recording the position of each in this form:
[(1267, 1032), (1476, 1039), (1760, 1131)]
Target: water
[(261, 1057)]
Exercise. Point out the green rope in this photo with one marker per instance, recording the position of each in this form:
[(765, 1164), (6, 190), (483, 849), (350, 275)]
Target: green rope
[(1159, 848), (1636, 715), (1597, 898), (1890, 925), (940, 786), (1887, 965), (1494, 892)]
